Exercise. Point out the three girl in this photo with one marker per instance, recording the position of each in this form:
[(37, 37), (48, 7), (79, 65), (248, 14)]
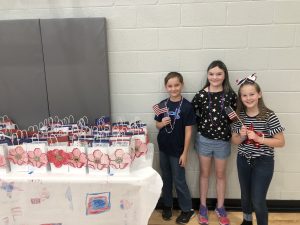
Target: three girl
[(213, 138), (257, 133)]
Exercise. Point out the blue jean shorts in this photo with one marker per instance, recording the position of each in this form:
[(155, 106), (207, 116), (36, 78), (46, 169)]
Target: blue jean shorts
[(212, 148)]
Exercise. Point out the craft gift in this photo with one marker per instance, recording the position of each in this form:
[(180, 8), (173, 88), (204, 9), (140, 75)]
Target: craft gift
[(17, 155), (121, 126), (62, 128), (143, 161), (140, 143), (83, 125), (67, 125), (3, 163), (59, 138), (37, 155), (78, 158), (98, 160), (7, 123), (103, 123), (58, 158), (120, 156), (83, 140), (142, 127), (32, 131), (101, 131), (51, 123)]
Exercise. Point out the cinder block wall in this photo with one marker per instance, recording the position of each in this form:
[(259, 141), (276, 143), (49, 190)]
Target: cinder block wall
[(148, 38)]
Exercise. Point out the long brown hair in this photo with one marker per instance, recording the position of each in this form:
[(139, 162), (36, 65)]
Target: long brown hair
[(264, 111), (226, 84)]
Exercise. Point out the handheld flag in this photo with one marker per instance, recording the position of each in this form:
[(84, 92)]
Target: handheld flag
[(232, 114), (160, 108)]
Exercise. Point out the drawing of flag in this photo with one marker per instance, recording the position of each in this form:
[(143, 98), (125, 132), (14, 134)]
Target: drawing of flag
[(231, 113), (160, 108)]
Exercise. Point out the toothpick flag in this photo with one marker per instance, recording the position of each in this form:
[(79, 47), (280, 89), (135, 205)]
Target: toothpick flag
[(232, 114), (160, 108)]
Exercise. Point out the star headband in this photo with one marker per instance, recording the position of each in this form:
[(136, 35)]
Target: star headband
[(250, 78)]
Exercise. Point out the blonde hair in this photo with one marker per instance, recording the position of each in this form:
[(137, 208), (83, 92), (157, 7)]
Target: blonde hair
[(264, 111)]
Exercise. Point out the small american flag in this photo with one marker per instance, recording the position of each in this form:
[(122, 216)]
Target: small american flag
[(160, 108), (231, 113)]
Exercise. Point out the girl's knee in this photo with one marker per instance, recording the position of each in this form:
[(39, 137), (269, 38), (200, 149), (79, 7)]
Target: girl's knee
[(220, 175)]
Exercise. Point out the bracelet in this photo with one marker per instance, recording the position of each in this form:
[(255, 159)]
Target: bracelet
[(263, 139)]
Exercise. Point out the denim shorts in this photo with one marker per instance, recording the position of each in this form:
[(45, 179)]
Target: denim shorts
[(212, 148)]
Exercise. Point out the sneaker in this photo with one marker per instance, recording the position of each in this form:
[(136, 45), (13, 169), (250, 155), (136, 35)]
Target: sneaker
[(203, 215), (185, 217), (222, 215), (167, 213), (245, 222)]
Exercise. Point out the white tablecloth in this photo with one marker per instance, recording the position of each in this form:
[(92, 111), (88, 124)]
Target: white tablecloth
[(79, 199)]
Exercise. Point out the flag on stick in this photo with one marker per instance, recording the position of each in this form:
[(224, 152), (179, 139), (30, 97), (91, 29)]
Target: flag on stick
[(232, 114), (160, 108)]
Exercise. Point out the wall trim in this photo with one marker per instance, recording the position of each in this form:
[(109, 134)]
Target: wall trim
[(235, 205)]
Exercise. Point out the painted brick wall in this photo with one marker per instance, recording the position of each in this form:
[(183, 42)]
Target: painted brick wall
[(148, 38)]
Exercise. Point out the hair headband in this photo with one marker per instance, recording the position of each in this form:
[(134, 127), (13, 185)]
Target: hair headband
[(250, 78)]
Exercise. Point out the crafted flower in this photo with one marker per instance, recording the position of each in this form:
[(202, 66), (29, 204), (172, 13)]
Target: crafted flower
[(77, 158), (120, 159), (2, 161), (140, 148), (18, 156), (251, 141), (37, 158), (58, 157), (98, 160)]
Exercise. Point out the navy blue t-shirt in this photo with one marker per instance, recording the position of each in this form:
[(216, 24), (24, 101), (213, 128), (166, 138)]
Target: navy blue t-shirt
[(171, 141)]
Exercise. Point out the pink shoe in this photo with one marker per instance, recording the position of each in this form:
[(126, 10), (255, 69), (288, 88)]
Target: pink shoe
[(203, 215), (222, 215)]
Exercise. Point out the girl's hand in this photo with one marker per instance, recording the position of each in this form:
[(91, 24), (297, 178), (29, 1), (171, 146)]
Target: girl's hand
[(166, 120), (243, 132), (252, 135), (182, 160)]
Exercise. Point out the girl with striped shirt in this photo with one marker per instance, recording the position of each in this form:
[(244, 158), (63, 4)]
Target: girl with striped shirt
[(256, 133)]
